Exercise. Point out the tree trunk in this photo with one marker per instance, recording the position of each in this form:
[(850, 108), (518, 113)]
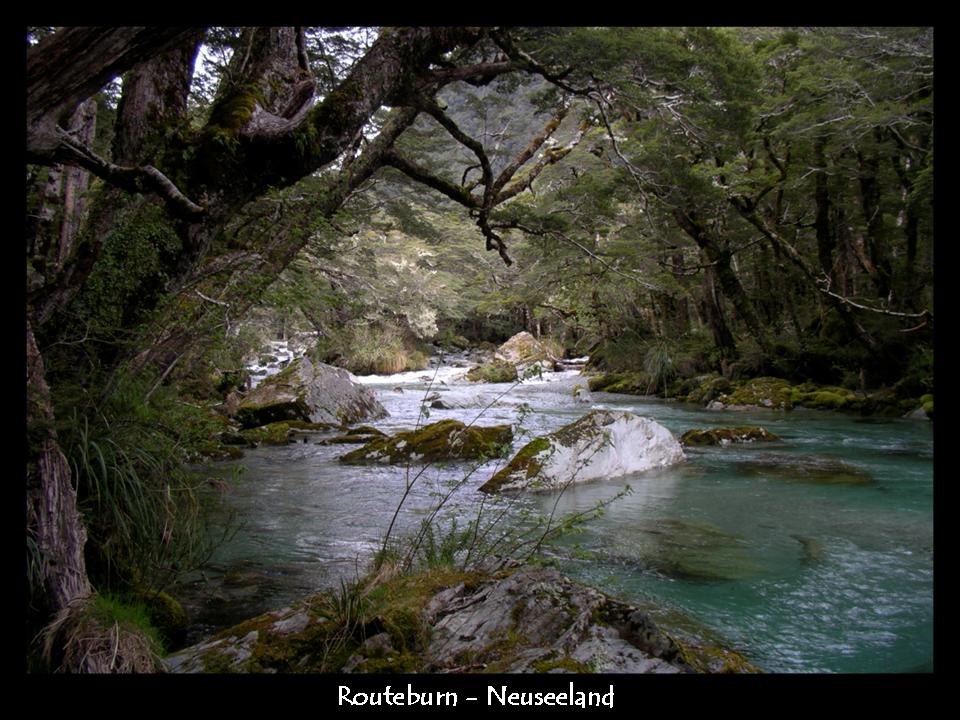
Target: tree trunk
[(719, 258), (877, 248), (53, 521)]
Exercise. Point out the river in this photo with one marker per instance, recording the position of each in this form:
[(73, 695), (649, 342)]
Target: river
[(813, 554)]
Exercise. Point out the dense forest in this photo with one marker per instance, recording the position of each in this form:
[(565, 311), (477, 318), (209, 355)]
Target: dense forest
[(684, 205)]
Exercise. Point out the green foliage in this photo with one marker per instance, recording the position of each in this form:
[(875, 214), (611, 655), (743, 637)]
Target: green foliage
[(131, 273), (143, 509)]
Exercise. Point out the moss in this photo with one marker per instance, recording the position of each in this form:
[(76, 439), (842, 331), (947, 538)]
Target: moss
[(703, 389), (712, 659), (498, 371), (220, 451), (768, 392), (565, 663), (526, 461), (168, 616), (928, 407), (277, 433), (444, 440), (627, 383), (252, 415), (727, 435)]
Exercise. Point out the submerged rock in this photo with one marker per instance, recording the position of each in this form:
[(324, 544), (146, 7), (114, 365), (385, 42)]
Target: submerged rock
[(444, 440), (312, 392), (727, 435), (500, 618), (601, 444), (690, 550), (816, 470)]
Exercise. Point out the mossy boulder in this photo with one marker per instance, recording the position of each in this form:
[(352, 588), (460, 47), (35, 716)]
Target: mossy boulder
[(762, 392), (627, 383), (439, 441), (702, 389), (356, 436), (167, 616), (601, 444), (727, 435), (310, 392), (826, 398), (498, 371)]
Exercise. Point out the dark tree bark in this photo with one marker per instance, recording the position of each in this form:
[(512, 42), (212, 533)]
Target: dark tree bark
[(878, 249), (53, 522), (718, 256)]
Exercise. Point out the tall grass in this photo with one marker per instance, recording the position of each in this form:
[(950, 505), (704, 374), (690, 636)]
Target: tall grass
[(658, 365), (142, 507)]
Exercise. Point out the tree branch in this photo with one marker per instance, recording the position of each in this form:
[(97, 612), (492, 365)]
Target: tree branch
[(134, 179)]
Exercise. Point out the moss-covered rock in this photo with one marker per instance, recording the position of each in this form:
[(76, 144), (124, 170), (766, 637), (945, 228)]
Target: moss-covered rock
[(601, 444), (309, 392), (219, 450), (498, 371), (168, 616), (444, 440), (762, 392), (702, 389), (277, 433), (356, 436), (627, 383), (727, 435)]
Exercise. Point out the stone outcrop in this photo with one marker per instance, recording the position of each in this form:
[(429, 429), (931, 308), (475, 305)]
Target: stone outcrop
[(311, 392), (523, 350), (601, 444), (727, 435), (501, 617), (439, 441)]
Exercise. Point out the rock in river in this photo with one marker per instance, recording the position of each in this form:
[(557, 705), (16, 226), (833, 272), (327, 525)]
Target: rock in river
[(309, 391), (727, 435), (439, 441), (601, 444)]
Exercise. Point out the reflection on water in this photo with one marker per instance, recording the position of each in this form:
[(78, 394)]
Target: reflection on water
[(814, 554)]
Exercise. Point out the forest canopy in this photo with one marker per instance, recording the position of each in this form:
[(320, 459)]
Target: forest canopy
[(677, 201)]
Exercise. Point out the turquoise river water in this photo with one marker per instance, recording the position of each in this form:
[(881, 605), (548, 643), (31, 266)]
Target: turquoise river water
[(813, 554)]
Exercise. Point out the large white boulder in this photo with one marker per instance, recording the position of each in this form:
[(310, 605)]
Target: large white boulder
[(601, 444)]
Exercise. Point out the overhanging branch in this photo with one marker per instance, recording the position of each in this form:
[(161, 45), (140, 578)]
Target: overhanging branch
[(141, 179)]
